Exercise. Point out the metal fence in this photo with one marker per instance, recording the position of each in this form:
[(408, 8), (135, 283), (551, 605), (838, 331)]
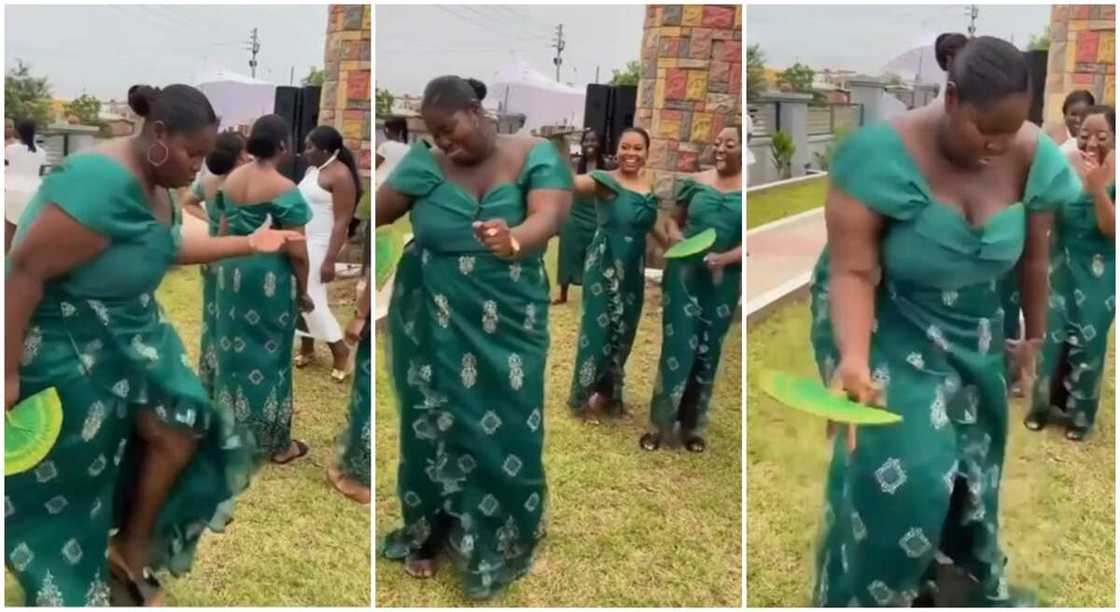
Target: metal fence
[(823, 118)]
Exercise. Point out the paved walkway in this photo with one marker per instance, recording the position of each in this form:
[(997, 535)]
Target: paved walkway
[(782, 256)]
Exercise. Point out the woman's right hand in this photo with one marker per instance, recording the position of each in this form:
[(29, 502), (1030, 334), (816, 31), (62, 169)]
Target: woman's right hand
[(852, 379), (306, 304), (268, 240)]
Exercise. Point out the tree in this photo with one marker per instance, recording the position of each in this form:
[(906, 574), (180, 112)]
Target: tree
[(384, 102), (26, 96), (799, 77), (1040, 42), (85, 108), (756, 71), (315, 77), (627, 76)]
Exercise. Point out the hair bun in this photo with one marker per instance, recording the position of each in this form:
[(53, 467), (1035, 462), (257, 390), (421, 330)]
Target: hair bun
[(141, 98), (479, 88), (946, 46)]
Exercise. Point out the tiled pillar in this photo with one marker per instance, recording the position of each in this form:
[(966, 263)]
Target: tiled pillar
[(690, 86), (345, 101), (1082, 55)]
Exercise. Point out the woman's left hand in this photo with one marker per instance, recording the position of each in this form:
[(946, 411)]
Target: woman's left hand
[(268, 240), (326, 271), (716, 262), (306, 304), (1024, 354), (495, 235)]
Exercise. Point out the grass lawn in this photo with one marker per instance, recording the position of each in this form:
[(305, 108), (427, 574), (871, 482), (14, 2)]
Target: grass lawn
[(1057, 501), (771, 204), (294, 542), (627, 528)]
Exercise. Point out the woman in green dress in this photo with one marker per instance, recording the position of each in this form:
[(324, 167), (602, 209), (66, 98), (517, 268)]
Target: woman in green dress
[(142, 449), (201, 203), (579, 229), (468, 336), (924, 216), (258, 296), (615, 276), (1082, 286), (699, 295), (350, 475)]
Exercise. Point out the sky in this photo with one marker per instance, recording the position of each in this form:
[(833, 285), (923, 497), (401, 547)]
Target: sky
[(413, 44), (102, 50), (864, 38)]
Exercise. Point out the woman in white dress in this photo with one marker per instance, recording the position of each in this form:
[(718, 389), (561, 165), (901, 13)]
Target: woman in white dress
[(332, 188), (23, 163)]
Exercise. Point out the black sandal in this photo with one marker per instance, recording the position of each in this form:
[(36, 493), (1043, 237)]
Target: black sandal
[(650, 441), (1035, 422), (302, 452), (695, 444)]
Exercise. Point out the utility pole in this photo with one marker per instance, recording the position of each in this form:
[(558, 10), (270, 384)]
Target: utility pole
[(973, 13), (558, 44), (254, 48), (596, 75)]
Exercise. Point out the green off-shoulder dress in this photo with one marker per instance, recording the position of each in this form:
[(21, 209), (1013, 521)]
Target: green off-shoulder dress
[(613, 293), (208, 353), (1082, 308), (468, 335), (256, 322), (99, 337), (697, 311), (575, 240), (924, 494)]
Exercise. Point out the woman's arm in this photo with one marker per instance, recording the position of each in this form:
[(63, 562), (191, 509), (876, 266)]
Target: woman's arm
[(54, 245), (1097, 183), (1034, 272), (192, 205), (391, 205), (208, 249), (584, 185), (547, 210), (853, 243), (344, 199)]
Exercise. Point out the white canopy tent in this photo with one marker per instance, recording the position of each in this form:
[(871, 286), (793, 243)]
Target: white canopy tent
[(237, 99), (520, 88)]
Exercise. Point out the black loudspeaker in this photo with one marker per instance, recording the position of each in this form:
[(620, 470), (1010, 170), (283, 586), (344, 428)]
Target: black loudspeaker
[(299, 106), (609, 109), (1036, 65)]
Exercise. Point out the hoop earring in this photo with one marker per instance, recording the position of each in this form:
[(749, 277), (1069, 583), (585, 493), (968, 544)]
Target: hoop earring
[(166, 155)]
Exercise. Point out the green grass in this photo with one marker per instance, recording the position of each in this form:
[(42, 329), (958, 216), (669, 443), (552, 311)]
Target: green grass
[(626, 528), (1057, 505), (295, 541), (768, 205)]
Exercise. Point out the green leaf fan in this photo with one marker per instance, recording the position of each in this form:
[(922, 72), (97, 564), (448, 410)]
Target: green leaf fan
[(808, 395), (390, 246), (692, 246), (30, 430)]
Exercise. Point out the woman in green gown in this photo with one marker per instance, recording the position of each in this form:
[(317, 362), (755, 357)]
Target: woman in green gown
[(350, 475), (141, 449), (614, 272), (924, 216), (201, 203), (579, 229), (258, 296), (1082, 286), (468, 338), (699, 295)]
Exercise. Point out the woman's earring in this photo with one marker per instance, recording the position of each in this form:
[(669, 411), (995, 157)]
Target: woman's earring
[(166, 155)]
